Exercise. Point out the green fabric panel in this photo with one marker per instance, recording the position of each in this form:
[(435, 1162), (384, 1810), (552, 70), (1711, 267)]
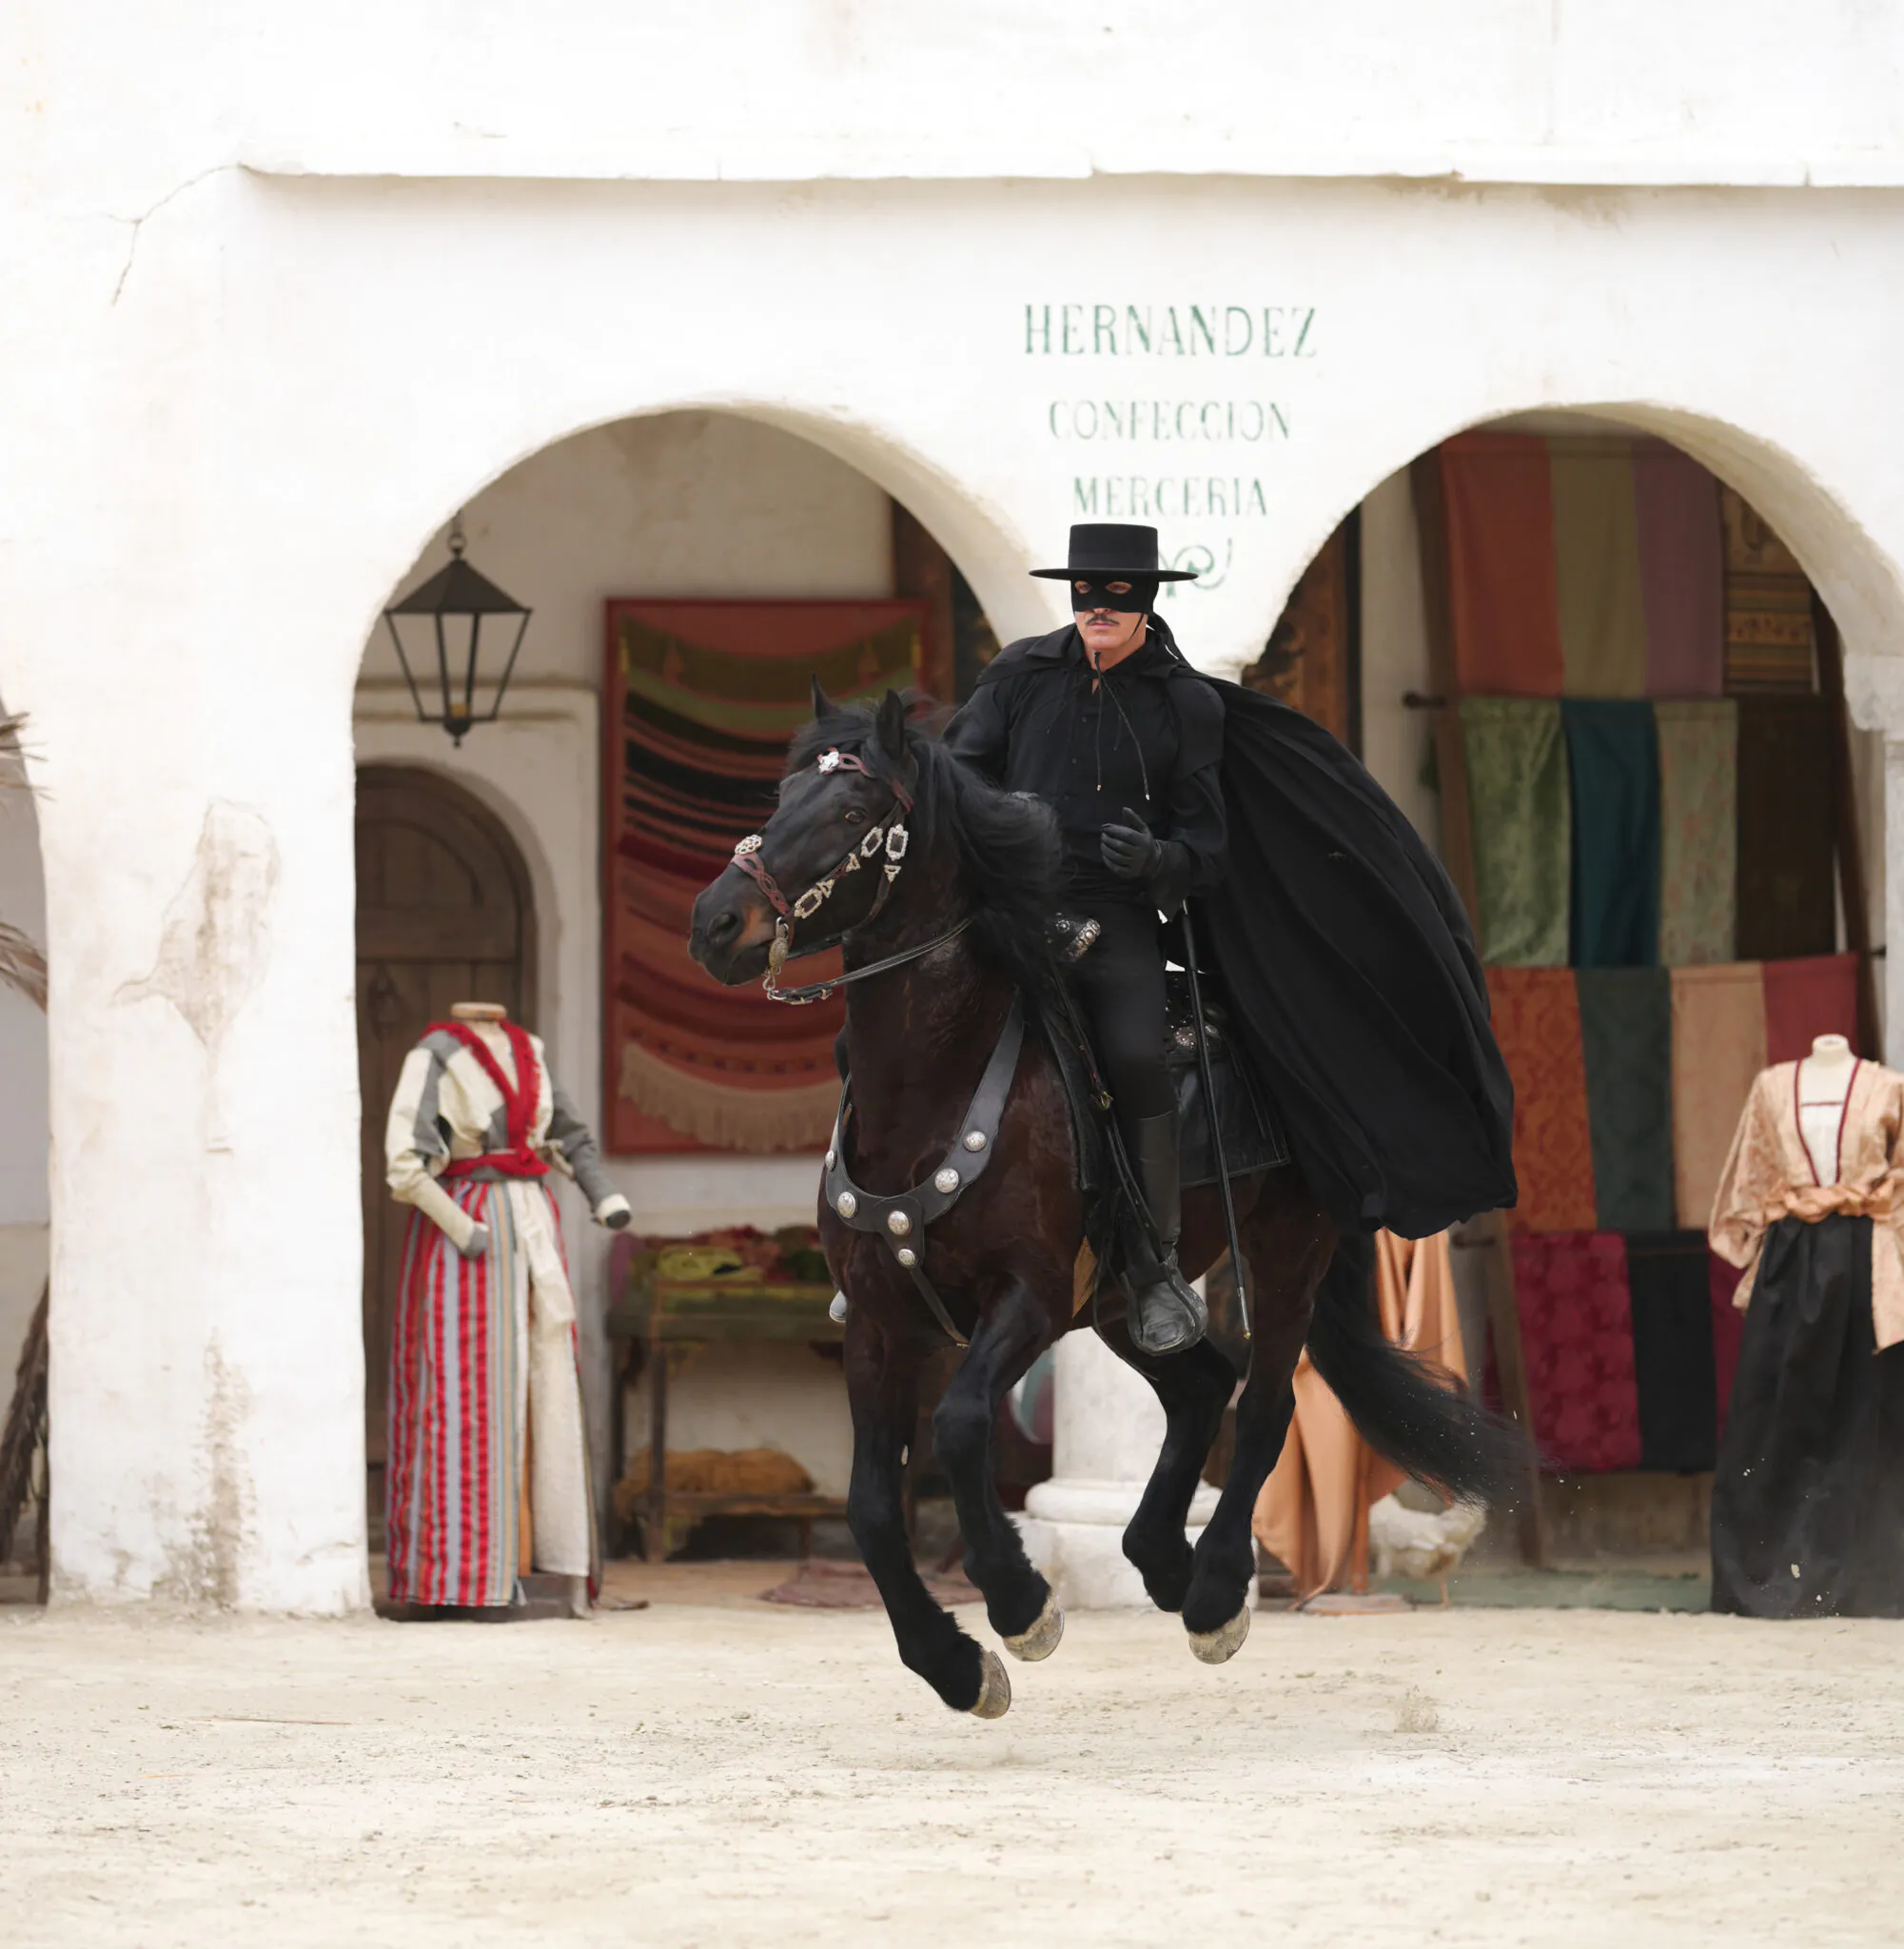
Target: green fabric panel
[(1699, 831), (1613, 758), (1627, 1034), (1519, 807), (1597, 576)]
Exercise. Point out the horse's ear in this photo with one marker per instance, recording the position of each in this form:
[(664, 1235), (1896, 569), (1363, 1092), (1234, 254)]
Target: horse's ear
[(890, 725), (823, 705)]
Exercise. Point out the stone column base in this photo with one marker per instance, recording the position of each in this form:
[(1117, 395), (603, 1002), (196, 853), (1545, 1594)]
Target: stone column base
[(1073, 1532)]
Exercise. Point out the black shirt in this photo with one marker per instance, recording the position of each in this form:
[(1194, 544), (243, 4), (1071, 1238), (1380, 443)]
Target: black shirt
[(1147, 735)]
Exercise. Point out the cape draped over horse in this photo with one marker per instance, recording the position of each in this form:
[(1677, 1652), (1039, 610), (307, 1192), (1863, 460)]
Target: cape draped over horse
[(938, 942)]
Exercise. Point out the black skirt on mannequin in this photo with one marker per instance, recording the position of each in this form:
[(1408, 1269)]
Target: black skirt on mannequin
[(1808, 1502)]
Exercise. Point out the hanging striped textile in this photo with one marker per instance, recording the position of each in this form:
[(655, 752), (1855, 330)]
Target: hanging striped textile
[(1582, 565), (1768, 604), (699, 701)]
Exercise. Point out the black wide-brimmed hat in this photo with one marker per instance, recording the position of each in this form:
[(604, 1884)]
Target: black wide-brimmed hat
[(1124, 548)]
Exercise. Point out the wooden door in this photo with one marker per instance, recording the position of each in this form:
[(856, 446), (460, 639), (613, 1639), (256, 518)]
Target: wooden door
[(443, 915)]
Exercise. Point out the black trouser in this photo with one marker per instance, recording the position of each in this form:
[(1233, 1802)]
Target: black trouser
[(1121, 984)]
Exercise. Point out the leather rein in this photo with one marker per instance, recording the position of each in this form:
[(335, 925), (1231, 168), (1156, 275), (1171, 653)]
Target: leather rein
[(889, 837)]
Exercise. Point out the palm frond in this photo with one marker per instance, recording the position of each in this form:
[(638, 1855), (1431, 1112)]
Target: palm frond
[(24, 1433), (22, 965)]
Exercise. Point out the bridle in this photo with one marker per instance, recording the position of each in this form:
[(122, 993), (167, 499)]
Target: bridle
[(890, 838)]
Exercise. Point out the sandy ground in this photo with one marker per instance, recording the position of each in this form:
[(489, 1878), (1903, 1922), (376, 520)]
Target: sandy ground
[(712, 1771)]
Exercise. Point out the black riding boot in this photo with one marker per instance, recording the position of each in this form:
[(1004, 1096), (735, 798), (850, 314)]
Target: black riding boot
[(1168, 1314)]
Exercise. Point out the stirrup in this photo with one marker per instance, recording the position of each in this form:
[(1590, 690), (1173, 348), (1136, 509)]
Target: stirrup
[(1167, 1314)]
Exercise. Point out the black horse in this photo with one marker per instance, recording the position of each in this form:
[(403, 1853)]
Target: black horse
[(959, 905)]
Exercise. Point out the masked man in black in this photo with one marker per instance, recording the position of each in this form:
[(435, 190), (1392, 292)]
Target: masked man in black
[(1106, 722)]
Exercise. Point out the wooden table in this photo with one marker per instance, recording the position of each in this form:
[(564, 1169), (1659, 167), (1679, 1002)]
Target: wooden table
[(654, 1314)]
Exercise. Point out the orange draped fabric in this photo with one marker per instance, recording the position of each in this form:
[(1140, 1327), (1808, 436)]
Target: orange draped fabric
[(1309, 1511), (1537, 1021)]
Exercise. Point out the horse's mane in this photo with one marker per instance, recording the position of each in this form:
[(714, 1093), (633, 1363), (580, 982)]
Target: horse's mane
[(1007, 844)]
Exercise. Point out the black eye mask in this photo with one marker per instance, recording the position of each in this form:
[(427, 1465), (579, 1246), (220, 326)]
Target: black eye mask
[(1092, 592)]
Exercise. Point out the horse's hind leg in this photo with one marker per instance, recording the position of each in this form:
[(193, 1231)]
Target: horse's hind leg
[(883, 1392), (1288, 1249), (1194, 1387), (1011, 1330)]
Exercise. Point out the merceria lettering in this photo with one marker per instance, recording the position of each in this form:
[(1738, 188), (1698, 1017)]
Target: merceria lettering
[(1137, 496)]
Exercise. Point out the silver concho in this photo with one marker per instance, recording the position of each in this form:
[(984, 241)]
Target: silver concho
[(829, 762), (898, 1223), (832, 1158), (974, 1140), (836, 1311), (750, 844), (846, 1204), (907, 1256), (946, 1180)]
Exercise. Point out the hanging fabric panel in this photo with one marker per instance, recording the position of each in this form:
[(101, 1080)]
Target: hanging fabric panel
[(1699, 831), (1577, 1339), (1670, 1290), (1537, 1021), (1626, 1036), (1522, 820), (1596, 544), (699, 702), (1612, 763), (1787, 889), (1768, 604), (1718, 1048), (1803, 999), (1681, 571), (1503, 605)]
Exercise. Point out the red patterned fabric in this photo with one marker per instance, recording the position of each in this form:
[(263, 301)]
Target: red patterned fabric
[(1816, 995), (1728, 1328), (1577, 1338), (1537, 1021)]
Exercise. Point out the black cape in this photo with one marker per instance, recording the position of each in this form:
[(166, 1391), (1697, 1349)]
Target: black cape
[(1352, 973)]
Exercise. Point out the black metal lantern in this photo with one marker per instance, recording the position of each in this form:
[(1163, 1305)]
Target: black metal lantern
[(454, 603)]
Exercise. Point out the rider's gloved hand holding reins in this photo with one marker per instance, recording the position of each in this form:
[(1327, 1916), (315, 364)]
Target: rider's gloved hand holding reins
[(1133, 852)]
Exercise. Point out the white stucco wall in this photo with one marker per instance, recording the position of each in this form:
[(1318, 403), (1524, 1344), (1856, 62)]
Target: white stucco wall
[(1747, 92), (236, 405)]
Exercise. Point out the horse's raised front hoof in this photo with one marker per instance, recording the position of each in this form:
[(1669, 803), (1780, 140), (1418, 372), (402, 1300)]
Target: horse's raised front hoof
[(1042, 1639), (1220, 1646), (994, 1688)]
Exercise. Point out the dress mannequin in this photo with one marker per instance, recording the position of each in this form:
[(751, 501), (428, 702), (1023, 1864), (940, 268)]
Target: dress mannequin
[(1808, 1497), (489, 1475), (1825, 1083)]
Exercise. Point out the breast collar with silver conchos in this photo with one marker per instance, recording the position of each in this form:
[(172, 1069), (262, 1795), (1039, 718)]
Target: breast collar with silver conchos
[(902, 1220)]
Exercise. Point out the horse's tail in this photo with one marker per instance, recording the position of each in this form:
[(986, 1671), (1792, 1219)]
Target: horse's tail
[(1406, 1408)]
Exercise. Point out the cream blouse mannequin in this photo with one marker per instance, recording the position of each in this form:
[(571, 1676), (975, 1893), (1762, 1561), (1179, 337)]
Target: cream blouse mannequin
[(1824, 1080)]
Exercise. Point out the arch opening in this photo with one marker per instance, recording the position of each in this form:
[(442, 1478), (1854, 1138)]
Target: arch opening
[(666, 560), (1534, 594)]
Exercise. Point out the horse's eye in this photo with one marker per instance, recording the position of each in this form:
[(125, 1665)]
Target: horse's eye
[(853, 818)]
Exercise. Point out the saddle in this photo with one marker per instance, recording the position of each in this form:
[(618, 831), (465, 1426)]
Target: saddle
[(1253, 1136)]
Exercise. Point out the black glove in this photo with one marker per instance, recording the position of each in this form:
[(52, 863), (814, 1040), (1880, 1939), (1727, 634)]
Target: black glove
[(1130, 849)]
